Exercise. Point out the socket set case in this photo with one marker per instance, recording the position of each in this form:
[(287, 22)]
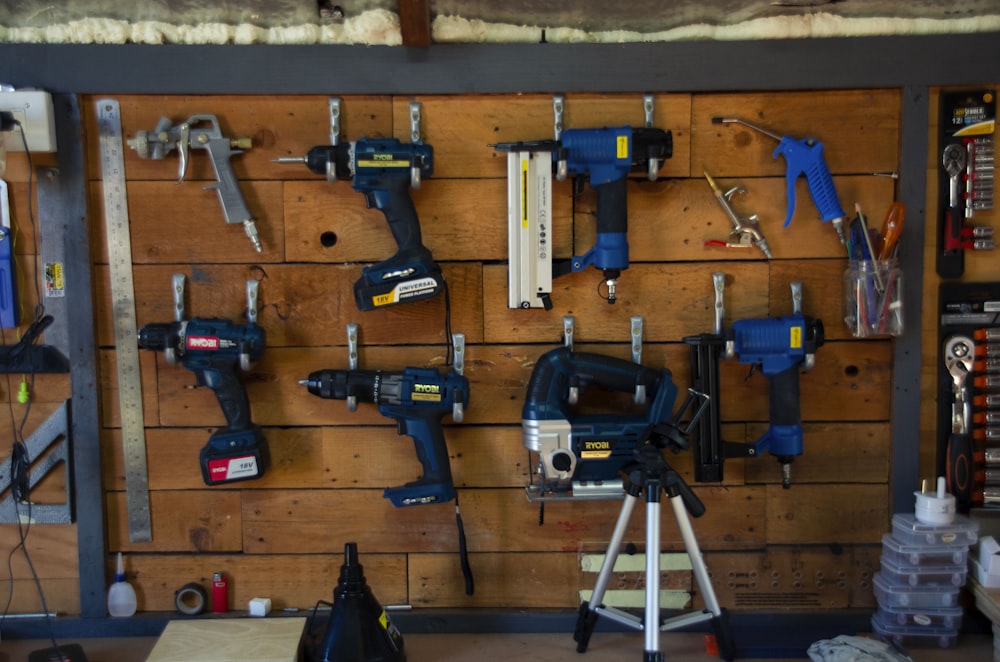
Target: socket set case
[(889, 594), (913, 575), (908, 530), (923, 556), (943, 617), (914, 636)]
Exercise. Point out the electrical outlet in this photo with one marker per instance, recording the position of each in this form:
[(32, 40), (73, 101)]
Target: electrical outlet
[(33, 109)]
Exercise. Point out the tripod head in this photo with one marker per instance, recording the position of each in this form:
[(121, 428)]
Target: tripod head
[(650, 472)]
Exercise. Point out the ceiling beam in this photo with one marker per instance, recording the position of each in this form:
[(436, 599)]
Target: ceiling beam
[(415, 22)]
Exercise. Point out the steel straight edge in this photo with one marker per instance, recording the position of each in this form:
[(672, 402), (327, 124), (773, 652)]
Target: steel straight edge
[(689, 66)]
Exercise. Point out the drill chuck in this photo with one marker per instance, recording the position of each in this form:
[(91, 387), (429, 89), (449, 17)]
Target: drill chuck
[(157, 337)]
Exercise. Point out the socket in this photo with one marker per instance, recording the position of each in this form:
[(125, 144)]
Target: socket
[(33, 109)]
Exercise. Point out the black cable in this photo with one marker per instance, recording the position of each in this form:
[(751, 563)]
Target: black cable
[(450, 352)]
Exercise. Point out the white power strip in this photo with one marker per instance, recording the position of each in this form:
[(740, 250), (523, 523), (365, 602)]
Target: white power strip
[(33, 109)]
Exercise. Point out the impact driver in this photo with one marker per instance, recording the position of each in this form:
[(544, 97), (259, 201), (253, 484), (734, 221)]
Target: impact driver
[(606, 157), (417, 399), (213, 349), (383, 169)]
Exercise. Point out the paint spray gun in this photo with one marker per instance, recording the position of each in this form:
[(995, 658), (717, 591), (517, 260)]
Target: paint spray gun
[(203, 132)]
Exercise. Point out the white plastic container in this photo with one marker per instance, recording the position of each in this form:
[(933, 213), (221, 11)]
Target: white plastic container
[(121, 595)]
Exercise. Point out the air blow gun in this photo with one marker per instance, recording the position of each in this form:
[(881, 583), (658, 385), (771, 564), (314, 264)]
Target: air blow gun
[(781, 346), (203, 132), (212, 349), (803, 157), (605, 156)]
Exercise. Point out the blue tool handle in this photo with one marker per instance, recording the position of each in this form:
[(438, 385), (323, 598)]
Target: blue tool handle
[(805, 157), (392, 198), (230, 393), (8, 285), (424, 427)]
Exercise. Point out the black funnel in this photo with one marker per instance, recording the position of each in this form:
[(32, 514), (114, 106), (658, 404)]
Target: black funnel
[(359, 630)]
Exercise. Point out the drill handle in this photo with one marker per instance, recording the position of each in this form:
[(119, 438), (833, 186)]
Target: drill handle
[(612, 206), (424, 427), (229, 392), (786, 406), (392, 198), (805, 157)]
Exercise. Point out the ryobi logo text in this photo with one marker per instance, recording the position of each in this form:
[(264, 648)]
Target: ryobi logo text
[(426, 392), (202, 342)]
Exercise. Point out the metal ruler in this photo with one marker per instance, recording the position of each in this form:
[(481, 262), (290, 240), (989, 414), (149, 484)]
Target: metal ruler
[(123, 311)]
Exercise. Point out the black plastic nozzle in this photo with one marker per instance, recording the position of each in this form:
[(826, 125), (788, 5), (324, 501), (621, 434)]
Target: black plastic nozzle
[(155, 336)]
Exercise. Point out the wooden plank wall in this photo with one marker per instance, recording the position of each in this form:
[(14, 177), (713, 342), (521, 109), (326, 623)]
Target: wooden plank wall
[(812, 546)]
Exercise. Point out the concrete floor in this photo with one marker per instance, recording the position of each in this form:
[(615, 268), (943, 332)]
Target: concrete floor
[(604, 647)]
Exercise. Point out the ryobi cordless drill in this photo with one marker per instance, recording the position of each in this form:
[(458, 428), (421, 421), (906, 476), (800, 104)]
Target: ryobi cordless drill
[(606, 157), (212, 349), (417, 399), (383, 169)]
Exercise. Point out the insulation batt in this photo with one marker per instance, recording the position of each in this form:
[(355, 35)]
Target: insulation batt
[(381, 27)]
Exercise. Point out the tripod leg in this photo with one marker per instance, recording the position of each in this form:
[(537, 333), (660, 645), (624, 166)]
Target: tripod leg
[(720, 618), (652, 620), (587, 616)]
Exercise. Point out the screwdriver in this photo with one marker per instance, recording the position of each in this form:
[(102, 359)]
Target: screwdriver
[(892, 227)]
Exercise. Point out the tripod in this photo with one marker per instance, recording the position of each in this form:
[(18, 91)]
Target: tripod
[(651, 474)]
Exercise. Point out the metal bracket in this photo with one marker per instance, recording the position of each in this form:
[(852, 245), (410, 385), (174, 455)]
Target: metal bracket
[(568, 328), (253, 290), (796, 298), (458, 342), (334, 107), (415, 138), (178, 289), (352, 360), (636, 335), (719, 283), (558, 108), (648, 107), (52, 434)]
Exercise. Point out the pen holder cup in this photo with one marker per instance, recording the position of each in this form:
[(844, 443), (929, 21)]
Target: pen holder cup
[(873, 298)]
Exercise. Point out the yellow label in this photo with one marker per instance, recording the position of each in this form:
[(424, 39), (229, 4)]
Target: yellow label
[(426, 397), (384, 299), (388, 161), (622, 142), (383, 620), (795, 337), (595, 455)]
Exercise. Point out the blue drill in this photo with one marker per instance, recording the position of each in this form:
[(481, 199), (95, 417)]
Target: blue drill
[(605, 156)]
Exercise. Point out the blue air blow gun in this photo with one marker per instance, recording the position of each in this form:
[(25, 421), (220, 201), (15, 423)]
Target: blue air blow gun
[(803, 157), (606, 156)]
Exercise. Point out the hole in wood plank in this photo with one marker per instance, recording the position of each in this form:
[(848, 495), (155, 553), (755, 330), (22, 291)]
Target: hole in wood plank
[(328, 239)]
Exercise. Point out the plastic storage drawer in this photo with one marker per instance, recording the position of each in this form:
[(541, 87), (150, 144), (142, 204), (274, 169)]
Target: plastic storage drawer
[(923, 555), (914, 637), (908, 530), (915, 576), (946, 617), (892, 594)]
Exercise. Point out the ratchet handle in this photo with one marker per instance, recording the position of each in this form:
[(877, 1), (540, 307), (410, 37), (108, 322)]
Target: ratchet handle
[(959, 468), (805, 157)]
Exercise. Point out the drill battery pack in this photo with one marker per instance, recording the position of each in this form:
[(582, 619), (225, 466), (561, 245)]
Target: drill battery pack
[(370, 293), (231, 456)]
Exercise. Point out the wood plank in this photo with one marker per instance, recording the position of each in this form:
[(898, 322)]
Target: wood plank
[(173, 223), (415, 22), (295, 581), (675, 300), (219, 640), (461, 129), (460, 219), (279, 521), (845, 513), (52, 548), (800, 577), (183, 521), (62, 595), (284, 125), (833, 453), (545, 580), (331, 457), (299, 305), (822, 293), (859, 130)]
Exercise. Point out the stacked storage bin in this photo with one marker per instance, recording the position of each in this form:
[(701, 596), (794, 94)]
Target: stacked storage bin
[(923, 568)]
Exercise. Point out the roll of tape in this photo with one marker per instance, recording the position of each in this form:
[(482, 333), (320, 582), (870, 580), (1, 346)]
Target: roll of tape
[(190, 599)]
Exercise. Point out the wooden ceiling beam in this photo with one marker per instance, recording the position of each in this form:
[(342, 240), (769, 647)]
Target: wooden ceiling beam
[(415, 22)]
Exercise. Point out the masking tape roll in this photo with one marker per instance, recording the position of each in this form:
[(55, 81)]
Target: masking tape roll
[(190, 599)]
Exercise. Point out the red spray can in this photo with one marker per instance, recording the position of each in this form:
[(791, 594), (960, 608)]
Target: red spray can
[(220, 593)]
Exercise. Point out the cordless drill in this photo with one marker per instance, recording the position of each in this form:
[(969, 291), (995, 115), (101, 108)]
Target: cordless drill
[(781, 346), (383, 169), (606, 156), (417, 399), (212, 349)]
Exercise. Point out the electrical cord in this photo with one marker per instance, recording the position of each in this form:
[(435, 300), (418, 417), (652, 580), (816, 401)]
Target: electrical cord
[(20, 460)]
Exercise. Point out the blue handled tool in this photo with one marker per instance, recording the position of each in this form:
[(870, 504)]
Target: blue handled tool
[(8, 287), (804, 157)]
